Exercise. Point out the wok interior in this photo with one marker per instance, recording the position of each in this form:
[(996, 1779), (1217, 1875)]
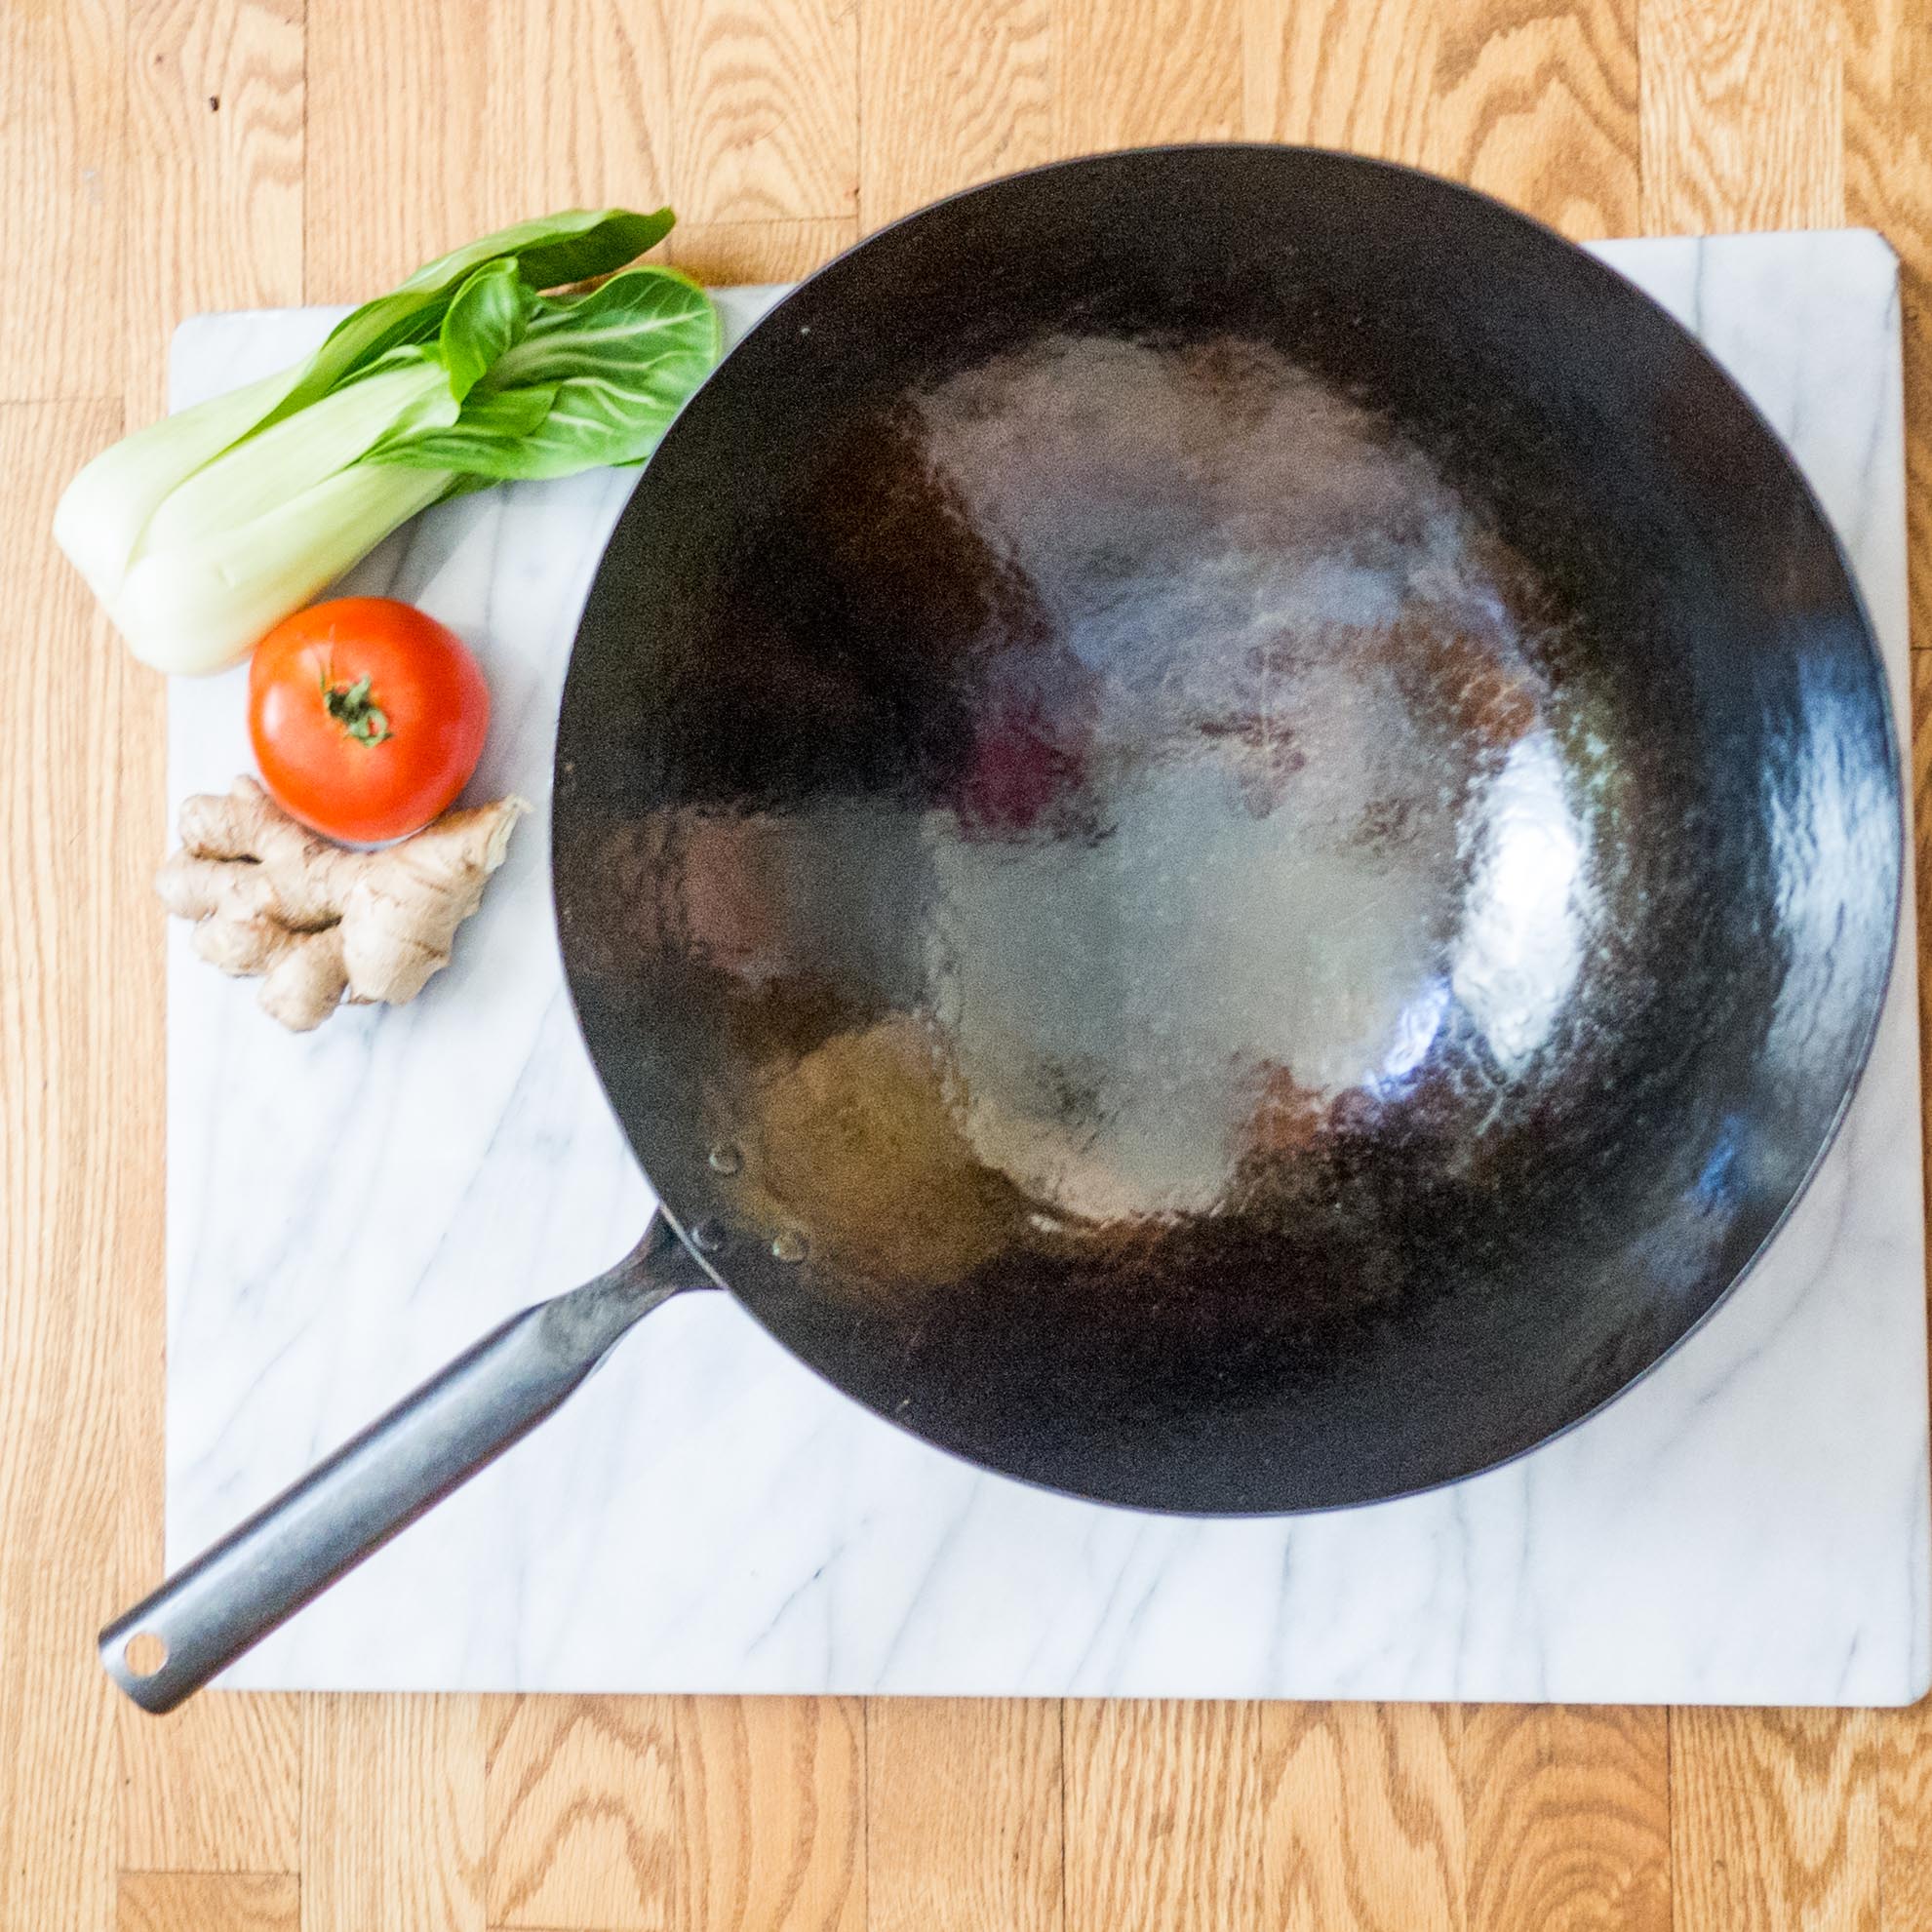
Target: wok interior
[(1251, 803)]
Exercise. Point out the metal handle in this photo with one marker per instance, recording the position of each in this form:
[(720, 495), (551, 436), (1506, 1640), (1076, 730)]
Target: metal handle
[(378, 1483)]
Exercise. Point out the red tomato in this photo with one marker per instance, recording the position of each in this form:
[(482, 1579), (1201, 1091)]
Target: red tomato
[(367, 717)]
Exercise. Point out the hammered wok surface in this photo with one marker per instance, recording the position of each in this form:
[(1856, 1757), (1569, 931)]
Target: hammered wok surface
[(1231, 824)]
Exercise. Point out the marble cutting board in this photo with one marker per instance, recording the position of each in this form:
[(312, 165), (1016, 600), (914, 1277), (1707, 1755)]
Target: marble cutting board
[(346, 1210)]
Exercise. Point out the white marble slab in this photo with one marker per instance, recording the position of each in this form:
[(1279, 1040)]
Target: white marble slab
[(347, 1210)]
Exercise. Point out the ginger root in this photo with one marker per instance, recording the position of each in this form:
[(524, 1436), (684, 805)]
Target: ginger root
[(318, 921)]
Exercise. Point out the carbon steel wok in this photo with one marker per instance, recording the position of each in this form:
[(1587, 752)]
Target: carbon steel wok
[(1226, 832)]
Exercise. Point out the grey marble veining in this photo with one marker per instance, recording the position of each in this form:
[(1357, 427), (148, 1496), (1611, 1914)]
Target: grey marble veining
[(349, 1208)]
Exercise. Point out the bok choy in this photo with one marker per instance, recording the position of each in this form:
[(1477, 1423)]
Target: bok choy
[(204, 529)]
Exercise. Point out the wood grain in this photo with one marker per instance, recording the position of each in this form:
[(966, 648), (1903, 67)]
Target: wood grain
[(62, 171), (1355, 74), (1774, 1820), (766, 96), (1905, 1813), (1569, 1820), (215, 192), (582, 92), (964, 1807), (209, 1902), (981, 91), (1362, 1829), (1163, 1808), (217, 1787), (772, 1800), (583, 1816), (725, 252), (362, 230), (392, 1814), (1138, 72), (1741, 115), (1532, 103), (635, 1814), (78, 777), (1539, 104), (567, 105)]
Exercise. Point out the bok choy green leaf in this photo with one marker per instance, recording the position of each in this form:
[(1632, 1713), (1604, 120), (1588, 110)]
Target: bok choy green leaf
[(615, 365)]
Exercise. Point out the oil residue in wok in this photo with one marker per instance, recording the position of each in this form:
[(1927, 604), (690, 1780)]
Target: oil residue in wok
[(1247, 855)]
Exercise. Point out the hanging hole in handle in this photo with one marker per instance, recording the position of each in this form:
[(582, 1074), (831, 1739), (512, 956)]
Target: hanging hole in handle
[(144, 1653)]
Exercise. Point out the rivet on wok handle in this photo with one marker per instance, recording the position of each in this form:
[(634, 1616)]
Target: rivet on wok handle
[(232, 1596)]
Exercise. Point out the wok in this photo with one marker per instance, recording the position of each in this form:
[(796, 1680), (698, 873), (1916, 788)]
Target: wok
[(1226, 832)]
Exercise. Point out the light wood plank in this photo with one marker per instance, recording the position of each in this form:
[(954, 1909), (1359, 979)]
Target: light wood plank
[(1905, 1812), (1888, 185), (1362, 1829), (586, 85), (1774, 1820), (1162, 1816), (433, 123), (1742, 115), (583, 1813), (1355, 74), (62, 174), (1138, 72), (773, 1805), (1538, 103), (79, 1124), (216, 1786), (980, 90), (963, 1815), (721, 253), (214, 185), (392, 1814), (767, 98), (382, 79), (1569, 1820), (209, 1902)]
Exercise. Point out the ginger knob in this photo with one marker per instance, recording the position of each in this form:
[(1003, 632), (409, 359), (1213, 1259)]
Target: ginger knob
[(316, 921)]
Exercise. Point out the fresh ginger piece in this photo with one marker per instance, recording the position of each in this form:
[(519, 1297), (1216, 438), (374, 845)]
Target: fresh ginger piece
[(316, 921)]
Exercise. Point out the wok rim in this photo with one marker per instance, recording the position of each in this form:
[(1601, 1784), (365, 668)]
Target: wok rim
[(1873, 652)]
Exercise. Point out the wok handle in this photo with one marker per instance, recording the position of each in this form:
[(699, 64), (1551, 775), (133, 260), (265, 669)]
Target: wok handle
[(380, 1481)]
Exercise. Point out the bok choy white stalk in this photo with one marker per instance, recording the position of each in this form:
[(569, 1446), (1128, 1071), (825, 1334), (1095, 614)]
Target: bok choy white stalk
[(203, 531)]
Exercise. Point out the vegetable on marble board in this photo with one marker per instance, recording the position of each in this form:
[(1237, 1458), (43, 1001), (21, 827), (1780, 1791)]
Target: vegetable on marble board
[(319, 924), (200, 531), (367, 717)]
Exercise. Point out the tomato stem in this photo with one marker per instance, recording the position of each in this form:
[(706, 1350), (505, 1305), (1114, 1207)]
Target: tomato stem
[(354, 708)]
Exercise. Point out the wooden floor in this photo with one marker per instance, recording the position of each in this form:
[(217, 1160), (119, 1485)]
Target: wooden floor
[(163, 156)]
